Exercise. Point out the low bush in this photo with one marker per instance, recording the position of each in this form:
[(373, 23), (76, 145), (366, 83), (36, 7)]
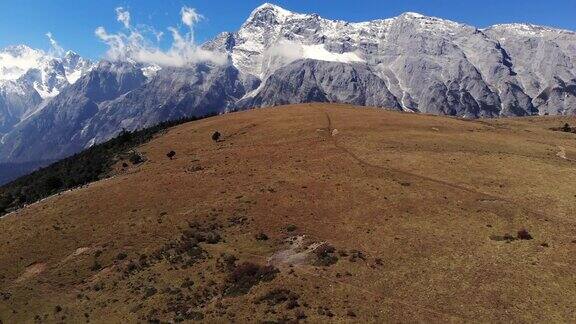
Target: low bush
[(246, 275), (523, 235), (291, 228), (325, 255), (276, 296)]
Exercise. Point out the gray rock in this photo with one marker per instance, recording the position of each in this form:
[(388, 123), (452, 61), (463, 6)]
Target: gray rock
[(320, 81)]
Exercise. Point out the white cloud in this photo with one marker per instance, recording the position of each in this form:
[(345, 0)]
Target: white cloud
[(190, 17), (282, 53), (287, 50), (55, 49), (158, 36), (141, 43), (123, 16)]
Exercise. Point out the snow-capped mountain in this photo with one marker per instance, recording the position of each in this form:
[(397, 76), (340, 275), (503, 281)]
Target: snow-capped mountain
[(411, 62), (48, 74), (28, 77), (428, 64)]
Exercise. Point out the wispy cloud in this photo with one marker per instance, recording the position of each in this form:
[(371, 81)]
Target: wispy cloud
[(123, 16), (141, 43), (55, 48), (190, 17)]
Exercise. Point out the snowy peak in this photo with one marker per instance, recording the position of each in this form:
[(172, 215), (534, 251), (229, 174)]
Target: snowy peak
[(411, 14), (21, 51), (529, 30), (15, 61), (29, 78), (273, 36), (268, 13), (431, 24), (475, 72), (46, 73), (75, 66)]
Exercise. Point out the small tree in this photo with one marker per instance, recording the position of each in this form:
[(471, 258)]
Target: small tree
[(124, 136), (524, 235), (171, 154), (53, 183), (5, 202), (216, 136), (566, 128)]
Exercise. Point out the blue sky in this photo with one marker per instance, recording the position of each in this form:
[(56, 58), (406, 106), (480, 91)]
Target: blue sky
[(73, 22)]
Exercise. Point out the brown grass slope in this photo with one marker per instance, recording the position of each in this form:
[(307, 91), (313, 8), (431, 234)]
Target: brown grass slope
[(416, 208)]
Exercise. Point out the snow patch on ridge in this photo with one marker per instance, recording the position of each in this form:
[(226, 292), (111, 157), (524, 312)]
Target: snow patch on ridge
[(45, 92), (319, 52), (151, 70), (529, 30)]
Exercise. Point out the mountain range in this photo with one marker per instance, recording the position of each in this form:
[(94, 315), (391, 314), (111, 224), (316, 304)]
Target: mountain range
[(29, 77), (52, 107)]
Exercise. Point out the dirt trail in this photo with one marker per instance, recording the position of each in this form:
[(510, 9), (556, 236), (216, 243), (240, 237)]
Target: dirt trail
[(243, 130), (79, 251), (31, 271), (562, 152)]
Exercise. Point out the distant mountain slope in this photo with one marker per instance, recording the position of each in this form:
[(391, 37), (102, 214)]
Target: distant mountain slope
[(313, 213), (411, 63), (12, 171)]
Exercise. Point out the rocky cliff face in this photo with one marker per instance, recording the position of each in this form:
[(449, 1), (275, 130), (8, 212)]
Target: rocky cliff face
[(320, 81), (428, 64), (544, 61), (171, 94), (411, 62)]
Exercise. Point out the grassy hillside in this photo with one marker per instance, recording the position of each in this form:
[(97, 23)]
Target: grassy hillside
[(310, 213), (87, 166)]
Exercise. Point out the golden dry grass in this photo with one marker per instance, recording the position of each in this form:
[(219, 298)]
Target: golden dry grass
[(419, 196)]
